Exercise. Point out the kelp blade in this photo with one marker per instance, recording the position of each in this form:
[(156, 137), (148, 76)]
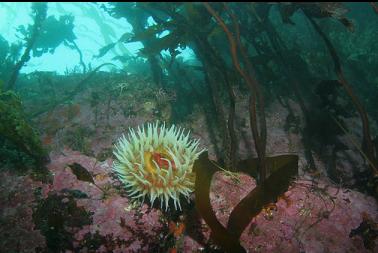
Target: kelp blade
[(205, 170), (81, 173), (282, 169)]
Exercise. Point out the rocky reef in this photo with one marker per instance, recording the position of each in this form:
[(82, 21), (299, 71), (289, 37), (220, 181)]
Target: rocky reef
[(73, 214)]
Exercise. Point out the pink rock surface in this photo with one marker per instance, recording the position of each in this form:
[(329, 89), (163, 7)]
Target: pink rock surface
[(314, 216), (112, 216), (17, 230)]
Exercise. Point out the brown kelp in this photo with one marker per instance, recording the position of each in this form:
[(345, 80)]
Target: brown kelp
[(39, 11), (256, 99), (282, 170)]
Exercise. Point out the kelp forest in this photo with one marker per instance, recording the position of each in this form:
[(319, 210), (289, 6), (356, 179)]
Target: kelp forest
[(263, 139)]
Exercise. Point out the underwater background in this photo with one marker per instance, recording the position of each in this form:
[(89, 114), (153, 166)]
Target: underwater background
[(188, 127)]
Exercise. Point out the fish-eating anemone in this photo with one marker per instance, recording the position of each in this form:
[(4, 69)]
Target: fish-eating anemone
[(156, 162)]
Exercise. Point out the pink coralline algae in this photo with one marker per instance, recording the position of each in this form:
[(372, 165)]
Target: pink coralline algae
[(17, 230), (134, 228), (312, 216)]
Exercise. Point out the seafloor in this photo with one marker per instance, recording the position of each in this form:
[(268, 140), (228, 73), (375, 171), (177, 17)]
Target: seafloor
[(71, 215)]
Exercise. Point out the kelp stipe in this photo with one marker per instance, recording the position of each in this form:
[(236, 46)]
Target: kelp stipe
[(283, 168)]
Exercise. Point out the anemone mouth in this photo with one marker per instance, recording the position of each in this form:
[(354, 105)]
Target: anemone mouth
[(156, 162), (159, 156)]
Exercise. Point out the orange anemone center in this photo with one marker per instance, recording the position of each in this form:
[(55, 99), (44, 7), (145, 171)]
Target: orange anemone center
[(160, 157)]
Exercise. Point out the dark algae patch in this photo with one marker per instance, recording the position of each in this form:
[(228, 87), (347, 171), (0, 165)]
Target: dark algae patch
[(367, 230), (58, 217)]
